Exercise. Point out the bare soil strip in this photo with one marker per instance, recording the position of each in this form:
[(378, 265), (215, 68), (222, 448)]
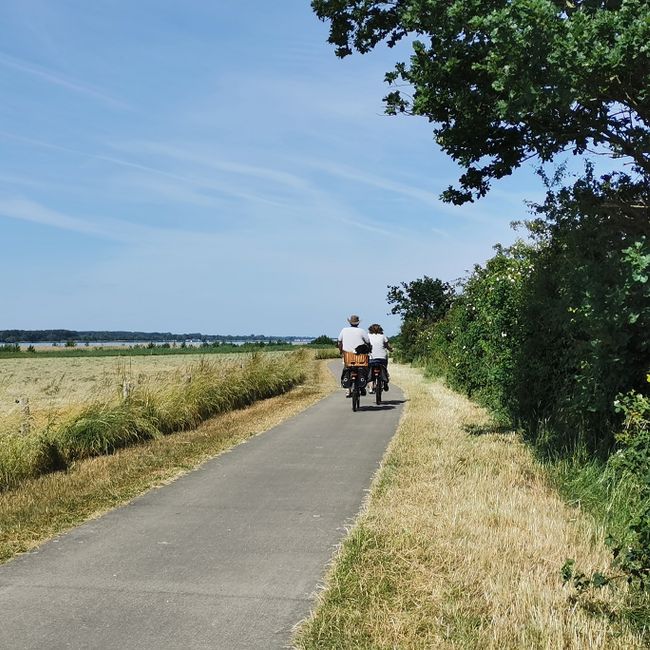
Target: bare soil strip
[(46, 506), (461, 546)]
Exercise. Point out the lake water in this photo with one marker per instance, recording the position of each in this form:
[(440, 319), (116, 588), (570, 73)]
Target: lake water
[(112, 344), (119, 344)]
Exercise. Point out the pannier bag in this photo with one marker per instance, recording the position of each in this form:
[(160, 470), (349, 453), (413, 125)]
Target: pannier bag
[(384, 371), (363, 377), (346, 377)]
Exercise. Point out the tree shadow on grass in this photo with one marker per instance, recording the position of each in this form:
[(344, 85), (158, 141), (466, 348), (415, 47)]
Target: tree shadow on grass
[(488, 429)]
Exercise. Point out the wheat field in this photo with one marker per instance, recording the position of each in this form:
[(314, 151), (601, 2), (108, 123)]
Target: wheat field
[(55, 384)]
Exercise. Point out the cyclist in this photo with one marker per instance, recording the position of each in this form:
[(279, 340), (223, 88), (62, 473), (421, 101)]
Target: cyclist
[(349, 340), (380, 349)]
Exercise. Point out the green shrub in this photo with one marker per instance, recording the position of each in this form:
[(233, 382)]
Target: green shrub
[(585, 315), (548, 334), (102, 429), (631, 462), (475, 345), (21, 457), (323, 339)]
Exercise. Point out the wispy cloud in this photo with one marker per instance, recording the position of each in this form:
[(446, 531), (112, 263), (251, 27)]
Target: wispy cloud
[(197, 181), (281, 196), (115, 229), (358, 176), (57, 79), (150, 188), (186, 155), (304, 200), (26, 210), (483, 212), (26, 181)]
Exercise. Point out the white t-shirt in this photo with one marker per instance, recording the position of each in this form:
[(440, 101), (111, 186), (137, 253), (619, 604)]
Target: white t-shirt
[(379, 343), (353, 337)]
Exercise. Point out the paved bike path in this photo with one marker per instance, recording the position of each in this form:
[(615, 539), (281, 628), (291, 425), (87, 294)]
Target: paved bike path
[(228, 556)]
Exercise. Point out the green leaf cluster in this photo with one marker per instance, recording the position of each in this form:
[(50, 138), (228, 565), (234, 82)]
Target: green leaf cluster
[(503, 81), (632, 459), (420, 303)]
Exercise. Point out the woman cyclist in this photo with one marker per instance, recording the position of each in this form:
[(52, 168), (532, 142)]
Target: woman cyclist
[(380, 349)]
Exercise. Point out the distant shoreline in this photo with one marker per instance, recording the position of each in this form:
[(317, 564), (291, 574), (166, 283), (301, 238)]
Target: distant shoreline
[(124, 337), (45, 346)]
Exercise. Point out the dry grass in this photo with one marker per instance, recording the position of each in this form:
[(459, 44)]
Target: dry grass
[(461, 546), (46, 506)]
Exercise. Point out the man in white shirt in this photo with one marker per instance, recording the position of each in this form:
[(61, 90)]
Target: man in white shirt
[(352, 337)]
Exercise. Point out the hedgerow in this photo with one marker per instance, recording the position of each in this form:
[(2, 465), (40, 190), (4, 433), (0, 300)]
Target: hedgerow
[(552, 334)]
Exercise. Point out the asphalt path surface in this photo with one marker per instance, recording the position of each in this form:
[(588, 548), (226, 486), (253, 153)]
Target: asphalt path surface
[(228, 556)]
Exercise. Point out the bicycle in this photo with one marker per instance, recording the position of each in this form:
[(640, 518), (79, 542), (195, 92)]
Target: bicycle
[(357, 385), (355, 376), (377, 378)]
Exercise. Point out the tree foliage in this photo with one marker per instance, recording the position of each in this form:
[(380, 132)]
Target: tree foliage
[(477, 341), (586, 317), (549, 333), (323, 339), (506, 80), (426, 299), (421, 303)]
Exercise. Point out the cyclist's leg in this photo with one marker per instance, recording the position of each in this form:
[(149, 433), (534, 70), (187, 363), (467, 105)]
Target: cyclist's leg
[(387, 376), (346, 370), (371, 376)]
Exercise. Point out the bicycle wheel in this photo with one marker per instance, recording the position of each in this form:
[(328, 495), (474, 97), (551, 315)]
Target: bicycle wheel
[(355, 399), (378, 390)]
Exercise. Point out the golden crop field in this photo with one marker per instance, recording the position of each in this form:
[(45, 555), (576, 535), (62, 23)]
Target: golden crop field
[(55, 384), (75, 408)]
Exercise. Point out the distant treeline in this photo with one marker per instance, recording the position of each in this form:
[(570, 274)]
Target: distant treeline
[(34, 336)]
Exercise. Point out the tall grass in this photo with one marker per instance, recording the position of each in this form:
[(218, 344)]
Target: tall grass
[(592, 485), (47, 505), (617, 501), (148, 411)]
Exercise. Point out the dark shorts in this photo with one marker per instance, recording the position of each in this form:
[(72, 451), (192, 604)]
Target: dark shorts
[(379, 362)]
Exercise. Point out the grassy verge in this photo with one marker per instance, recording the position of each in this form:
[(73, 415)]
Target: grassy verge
[(147, 411), (461, 545), (46, 506)]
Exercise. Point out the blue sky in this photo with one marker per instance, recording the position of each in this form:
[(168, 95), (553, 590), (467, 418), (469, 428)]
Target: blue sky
[(212, 166)]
